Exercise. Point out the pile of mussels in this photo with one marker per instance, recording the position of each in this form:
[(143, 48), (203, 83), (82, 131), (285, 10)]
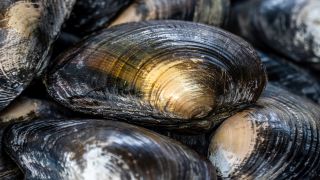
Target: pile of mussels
[(159, 89)]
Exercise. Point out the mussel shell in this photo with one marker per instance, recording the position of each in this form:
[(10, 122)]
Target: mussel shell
[(291, 77), (25, 109), (290, 27), (27, 30), (173, 74), (8, 169), (100, 149), (90, 15), (278, 138), (212, 12)]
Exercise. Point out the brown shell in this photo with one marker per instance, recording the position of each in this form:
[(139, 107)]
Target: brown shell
[(173, 74)]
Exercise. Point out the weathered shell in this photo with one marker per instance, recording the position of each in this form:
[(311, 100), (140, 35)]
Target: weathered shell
[(212, 12), (278, 138), (290, 27), (160, 73), (27, 30), (100, 149), (291, 77), (90, 15)]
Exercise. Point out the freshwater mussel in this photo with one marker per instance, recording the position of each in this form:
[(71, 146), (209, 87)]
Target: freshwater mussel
[(277, 138), (27, 30), (290, 27), (100, 149), (173, 74)]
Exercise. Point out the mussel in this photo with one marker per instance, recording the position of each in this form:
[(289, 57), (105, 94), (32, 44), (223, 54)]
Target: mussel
[(100, 149), (290, 27), (90, 16), (27, 30), (277, 138), (172, 74), (281, 72), (25, 109), (212, 12), (8, 169)]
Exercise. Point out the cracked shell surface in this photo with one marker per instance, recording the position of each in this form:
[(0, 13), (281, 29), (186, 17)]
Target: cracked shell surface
[(100, 149), (172, 74), (27, 30), (278, 138)]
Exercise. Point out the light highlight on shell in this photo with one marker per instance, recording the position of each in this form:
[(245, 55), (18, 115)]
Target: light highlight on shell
[(278, 138), (100, 149), (167, 73), (27, 30)]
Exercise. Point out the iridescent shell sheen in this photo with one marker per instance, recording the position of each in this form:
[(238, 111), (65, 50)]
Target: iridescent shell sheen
[(171, 74)]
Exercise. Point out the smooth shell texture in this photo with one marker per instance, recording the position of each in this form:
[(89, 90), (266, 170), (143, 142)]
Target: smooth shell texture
[(278, 138), (213, 12), (291, 27), (167, 73), (100, 149), (90, 15), (289, 76), (27, 30)]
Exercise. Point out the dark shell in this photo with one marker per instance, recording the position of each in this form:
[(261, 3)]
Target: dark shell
[(100, 149), (212, 12), (278, 138), (27, 30), (173, 74), (8, 169), (90, 15), (290, 27), (24, 109), (291, 77), (197, 142)]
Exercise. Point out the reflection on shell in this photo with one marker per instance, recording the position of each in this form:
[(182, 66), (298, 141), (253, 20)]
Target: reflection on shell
[(169, 73), (291, 77), (100, 149), (278, 138), (27, 30), (290, 27)]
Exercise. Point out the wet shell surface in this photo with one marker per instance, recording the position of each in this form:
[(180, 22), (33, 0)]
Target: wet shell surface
[(278, 138), (90, 15), (213, 12), (27, 30), (100, 149), (168, 73), (281, 72), (291, 27)]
